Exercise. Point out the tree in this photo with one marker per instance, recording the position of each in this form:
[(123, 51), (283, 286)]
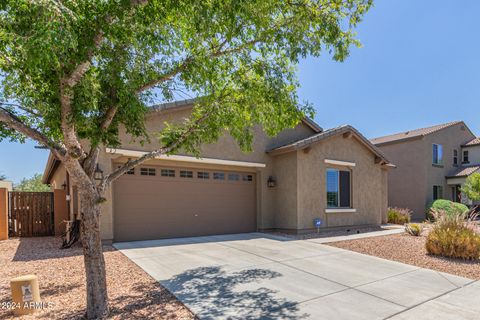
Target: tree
[(471, 188), (76, 72), (33, 184), (3, 177)]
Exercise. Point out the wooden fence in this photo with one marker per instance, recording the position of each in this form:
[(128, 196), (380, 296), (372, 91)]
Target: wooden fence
[(30, 214)]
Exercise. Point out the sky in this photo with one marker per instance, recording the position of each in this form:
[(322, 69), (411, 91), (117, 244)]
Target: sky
[(419, 66)]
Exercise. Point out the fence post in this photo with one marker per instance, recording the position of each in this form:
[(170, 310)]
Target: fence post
[(3, 213)]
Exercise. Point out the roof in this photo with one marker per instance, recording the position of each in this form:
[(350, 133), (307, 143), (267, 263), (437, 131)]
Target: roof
[(463, 171), (474, 142), (303, 143), (417, 133), (188, 103)]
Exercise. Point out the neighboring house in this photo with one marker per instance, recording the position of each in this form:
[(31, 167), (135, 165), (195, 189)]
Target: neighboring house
[(286, 183), (432, 163), (6, 184)]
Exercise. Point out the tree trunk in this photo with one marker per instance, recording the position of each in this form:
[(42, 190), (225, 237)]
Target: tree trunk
[(97, 298)]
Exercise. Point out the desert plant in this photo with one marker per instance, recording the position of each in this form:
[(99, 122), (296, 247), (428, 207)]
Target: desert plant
[(399, 215), (446, 206), (453, 235), (414, 229)]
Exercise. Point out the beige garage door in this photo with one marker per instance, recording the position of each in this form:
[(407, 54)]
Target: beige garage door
[(164, 202)]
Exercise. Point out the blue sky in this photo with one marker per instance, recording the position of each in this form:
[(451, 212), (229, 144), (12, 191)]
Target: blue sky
[(419, 66)]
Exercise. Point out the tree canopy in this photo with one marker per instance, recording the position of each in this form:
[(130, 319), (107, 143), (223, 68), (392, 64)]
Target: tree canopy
[(471, 188), (32, 184), (105, 62)]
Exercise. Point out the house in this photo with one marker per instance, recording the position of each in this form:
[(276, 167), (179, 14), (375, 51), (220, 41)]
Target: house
[(432, 163), (288, 181)]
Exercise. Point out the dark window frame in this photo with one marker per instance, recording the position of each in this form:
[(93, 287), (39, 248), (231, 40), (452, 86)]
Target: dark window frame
[(438, 192), (455, 157), (167, 173), (187, 174), (437, 154), (465, 156), (150, 172)]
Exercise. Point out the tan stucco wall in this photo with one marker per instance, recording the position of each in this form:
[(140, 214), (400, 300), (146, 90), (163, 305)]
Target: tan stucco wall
[(411, 184), (6, 184), (286, 193), (367, 184)]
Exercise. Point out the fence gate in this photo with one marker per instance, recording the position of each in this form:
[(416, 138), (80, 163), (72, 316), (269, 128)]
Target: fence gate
[(30, 214)]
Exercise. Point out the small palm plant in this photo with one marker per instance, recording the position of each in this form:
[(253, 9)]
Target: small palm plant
[(414, 229)]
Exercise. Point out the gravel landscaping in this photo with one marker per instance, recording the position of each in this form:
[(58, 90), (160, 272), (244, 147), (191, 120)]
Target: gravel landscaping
[(132, 292), (410, 250)]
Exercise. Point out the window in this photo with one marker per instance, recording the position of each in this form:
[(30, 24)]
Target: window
[(167, 173), (203, 175), (465, 157), (437, 154), (233, 177), (219, 176), (186, 174), (247, 177), (437, 192), (455, 157), (338, 188), (147, 171)]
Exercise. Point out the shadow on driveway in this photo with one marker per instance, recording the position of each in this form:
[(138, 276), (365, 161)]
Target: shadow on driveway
[(212, 293)]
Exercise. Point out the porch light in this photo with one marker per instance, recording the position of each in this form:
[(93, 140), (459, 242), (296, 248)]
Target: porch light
[(271, 183), (98, 173)]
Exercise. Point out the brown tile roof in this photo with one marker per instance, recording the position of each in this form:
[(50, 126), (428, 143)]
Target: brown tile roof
[(303, 143), (412, 133), (463, 171), (474, 142)]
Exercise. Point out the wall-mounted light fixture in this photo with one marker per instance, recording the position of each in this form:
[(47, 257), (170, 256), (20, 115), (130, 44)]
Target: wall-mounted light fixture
[(271, 183), (64, 186), (98, 173)]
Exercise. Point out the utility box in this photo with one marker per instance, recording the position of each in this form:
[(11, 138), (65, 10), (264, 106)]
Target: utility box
[(25, 294)]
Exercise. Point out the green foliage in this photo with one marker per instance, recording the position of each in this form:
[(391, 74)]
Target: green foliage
[(449, 207), (3, 177), (33, 184), (414, 229), (454, 236), (239, 56), (471, 188), (399, 215)]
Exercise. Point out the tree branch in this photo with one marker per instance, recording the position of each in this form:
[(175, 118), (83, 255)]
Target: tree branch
[(14, 123)]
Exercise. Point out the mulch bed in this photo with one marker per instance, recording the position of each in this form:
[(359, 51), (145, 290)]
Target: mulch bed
[(410, 250), (133, 294)]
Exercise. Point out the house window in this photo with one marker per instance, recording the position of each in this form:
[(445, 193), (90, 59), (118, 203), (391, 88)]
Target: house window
[(465, 157), (233, 177), (338, 188), (437, 192), (219, 176), (186, 174), (167, 173), (203, 175), (247, 177), (455, 157), (147, 171), (437, 154)]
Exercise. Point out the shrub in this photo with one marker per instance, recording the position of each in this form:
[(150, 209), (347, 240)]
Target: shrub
[(399, 215), (414, 229), (454, 236), (447, 206)]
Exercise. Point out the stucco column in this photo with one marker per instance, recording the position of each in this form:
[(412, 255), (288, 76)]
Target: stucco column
[(3, 213)]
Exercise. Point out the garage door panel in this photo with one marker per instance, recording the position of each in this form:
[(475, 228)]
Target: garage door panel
[(154, 207)]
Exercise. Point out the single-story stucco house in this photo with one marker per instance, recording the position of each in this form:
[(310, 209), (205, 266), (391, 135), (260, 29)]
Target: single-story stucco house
[(288, 181)]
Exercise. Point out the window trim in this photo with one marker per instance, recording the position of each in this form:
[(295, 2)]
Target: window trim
[(185, 174), (439, 160), (465, 152), (338, 207), (168, 175), (148, 171), (435, 190)]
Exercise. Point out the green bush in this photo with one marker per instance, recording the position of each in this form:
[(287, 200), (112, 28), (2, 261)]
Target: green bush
[(398, 215), (414, 229), (447, 206), (454, 236)]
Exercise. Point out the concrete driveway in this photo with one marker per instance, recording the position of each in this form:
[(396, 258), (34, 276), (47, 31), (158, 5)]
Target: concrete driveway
[(258, 276)]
